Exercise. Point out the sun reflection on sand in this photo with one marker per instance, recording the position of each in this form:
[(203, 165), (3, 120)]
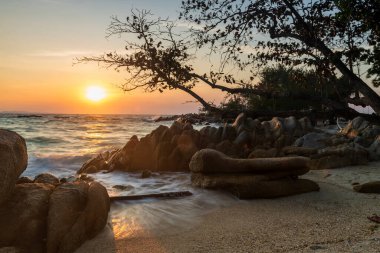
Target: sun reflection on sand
[(123, 229)]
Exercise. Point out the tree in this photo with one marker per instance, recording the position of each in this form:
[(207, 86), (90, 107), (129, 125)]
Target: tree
[(325, 34), (158, 58)]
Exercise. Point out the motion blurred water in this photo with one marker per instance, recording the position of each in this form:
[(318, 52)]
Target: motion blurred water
[(60, 144)]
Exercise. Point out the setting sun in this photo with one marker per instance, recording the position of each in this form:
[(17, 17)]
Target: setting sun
[(95, 93)]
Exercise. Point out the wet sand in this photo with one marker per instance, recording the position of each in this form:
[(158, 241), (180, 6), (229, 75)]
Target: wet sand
[(331, 220)]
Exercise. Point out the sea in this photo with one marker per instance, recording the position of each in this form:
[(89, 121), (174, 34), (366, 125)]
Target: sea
[(60, 143)]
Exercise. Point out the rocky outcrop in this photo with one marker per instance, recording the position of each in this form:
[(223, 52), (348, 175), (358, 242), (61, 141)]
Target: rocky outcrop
[(23, 217), (365, 134), (45, 215), (77, 212), (42, 217), (250, 178), (171, 148), (13, 161)]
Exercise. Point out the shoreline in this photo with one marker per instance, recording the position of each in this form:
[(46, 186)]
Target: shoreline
[(331, 220)]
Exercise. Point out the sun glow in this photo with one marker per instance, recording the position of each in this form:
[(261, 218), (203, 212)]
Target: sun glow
[(95, 93)]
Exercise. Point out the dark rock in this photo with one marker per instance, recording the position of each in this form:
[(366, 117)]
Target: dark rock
[(339, 156), (146, 174), (23, 217), (299, 151), (370, 187), (24, 180), (212, 161), (14, 159), (263, 153), (274, 188), (46, 178), (354, 127), (229, 133), (313, 140), (244, 138), (85, 177), (123, 187), (77, 212), (374, 150), (247, 186)]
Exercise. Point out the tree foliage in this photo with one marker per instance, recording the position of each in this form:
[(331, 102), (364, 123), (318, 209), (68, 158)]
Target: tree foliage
[(325, 34), (320, 36), (305, 86)]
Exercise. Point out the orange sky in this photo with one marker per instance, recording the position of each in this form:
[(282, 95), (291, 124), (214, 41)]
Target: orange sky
[(41, 38)]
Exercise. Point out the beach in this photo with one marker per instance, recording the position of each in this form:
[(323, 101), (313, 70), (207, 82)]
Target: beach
[(331, 220)]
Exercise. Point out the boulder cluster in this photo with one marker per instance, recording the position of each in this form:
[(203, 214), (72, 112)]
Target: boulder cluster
[(251, 178), (171, 148), (356, 144), (45, 215)]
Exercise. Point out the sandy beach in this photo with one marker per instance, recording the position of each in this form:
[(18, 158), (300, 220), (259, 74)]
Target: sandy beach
[(331, 220)]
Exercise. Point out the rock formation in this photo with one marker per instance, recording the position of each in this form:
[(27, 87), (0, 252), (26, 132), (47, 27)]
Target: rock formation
[(13, 161), (45, 215), (171, 148), (250, 178)]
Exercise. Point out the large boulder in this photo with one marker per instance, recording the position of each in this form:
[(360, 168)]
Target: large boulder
[(339, 156), (251, 178), (46, 178), (77, 212), (211, 161), (13, 161), (313, 140), (23, 218)]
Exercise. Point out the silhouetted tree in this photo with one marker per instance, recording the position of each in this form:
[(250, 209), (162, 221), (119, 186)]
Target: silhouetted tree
[(325, 34)]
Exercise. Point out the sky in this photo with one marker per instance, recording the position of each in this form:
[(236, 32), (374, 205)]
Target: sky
[(40, 40)]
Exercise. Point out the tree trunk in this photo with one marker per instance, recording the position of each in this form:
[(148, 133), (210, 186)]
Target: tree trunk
[(313, 41)]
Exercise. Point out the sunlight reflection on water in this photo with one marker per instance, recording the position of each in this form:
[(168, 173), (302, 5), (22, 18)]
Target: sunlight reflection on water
[(164, 217)]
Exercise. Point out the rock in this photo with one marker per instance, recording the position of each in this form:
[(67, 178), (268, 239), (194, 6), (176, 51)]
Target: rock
[(77, 212), (14, 159), (263, 153), (226, 180), (299, 151), (274, 188), (247, 186), (313, 140), (65, 206), (146, 174), (23, 217), (85, 177), (374, 150), (244, 138), (229, 148), (212, 161), (229, 133), (95, 164), (46, 178), (142, 158), (24, 180), (306, 125), (354, 127), (240, 120), (121, 159), (370, 187), (123, 187), (339, 156)]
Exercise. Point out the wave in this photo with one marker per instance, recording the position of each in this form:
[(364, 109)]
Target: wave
[(44, 140)]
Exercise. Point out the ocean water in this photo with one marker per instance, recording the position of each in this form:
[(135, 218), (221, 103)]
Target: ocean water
[(60, 144)]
